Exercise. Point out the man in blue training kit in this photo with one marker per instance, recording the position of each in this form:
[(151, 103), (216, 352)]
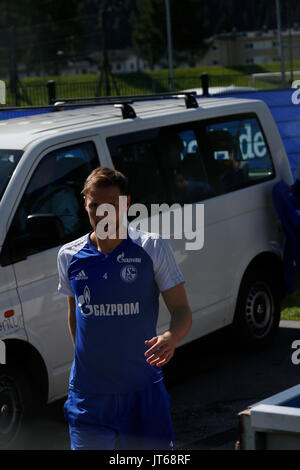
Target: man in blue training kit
[(117, 398)]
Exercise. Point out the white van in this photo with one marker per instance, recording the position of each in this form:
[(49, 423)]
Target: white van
[(225, 153)]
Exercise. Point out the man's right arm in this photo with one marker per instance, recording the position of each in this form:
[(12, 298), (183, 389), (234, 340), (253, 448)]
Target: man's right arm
[(72, 317)]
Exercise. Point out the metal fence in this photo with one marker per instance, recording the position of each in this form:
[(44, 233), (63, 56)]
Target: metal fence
[(40, 93)]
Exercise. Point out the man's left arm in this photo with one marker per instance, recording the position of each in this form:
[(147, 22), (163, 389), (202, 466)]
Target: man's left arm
[(163, 346)]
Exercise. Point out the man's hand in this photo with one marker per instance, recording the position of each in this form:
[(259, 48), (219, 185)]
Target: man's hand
[(163, 346), (162, 350)]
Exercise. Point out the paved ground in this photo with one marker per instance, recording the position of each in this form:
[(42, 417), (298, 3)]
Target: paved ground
[(209, 382), (221, 382)]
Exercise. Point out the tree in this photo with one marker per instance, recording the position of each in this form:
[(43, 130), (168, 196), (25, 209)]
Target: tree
[(118, 21), (44, 32), (150, 35), (58, 33)]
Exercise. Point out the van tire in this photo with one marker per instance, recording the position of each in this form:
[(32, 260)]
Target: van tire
[(16, 403), (258, 308)]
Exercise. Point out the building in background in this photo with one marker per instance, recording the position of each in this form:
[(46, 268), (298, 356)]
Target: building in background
[(248, 48), (121, 61)]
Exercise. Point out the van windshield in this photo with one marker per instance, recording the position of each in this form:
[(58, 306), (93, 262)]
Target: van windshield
[(8, 162)]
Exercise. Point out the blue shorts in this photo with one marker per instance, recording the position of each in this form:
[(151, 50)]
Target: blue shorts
[(135, 420)]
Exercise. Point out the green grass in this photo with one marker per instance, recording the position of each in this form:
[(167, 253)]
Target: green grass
[(34, 91), (291, 307), (212, 70)]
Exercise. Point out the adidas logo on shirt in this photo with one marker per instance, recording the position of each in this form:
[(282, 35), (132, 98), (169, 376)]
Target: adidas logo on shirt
[(81, 276)]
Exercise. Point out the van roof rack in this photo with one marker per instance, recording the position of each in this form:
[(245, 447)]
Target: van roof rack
[(59, 105), (122, 102), (189, 97)]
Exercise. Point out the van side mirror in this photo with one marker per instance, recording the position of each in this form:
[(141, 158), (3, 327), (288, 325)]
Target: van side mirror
[(43, 231), (45, 225)]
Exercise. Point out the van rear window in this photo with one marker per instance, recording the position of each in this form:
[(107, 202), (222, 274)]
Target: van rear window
[(8, 162)]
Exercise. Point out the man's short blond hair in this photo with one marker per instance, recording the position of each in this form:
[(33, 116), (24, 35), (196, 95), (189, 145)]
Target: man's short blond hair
[(103, 177)]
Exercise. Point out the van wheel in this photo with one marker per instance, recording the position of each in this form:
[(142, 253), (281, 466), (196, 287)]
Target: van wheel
[(258, 309), (15, 400)]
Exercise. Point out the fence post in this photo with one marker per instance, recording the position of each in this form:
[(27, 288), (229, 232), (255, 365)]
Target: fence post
[(51, 91), (204, 81), (13, 75), (153, 84)]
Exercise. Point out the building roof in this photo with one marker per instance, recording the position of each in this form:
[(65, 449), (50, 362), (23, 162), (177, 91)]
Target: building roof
[(263, 34)]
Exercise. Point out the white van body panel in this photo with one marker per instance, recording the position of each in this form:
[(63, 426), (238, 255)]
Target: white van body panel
[(13, 325), (210, 286)]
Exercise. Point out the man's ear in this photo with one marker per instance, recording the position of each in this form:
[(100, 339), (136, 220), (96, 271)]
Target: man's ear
[(128, 201)]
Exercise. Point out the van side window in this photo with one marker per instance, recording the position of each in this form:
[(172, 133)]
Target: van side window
[(163, 165), (136, 155), (8, 162), (55, 187), (237, 154), (191, 179), (192, 162)]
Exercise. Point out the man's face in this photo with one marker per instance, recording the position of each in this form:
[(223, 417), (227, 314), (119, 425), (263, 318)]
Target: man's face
[(97, 199)]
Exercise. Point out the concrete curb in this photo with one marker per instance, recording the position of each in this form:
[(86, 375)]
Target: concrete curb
[(289, 324)]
